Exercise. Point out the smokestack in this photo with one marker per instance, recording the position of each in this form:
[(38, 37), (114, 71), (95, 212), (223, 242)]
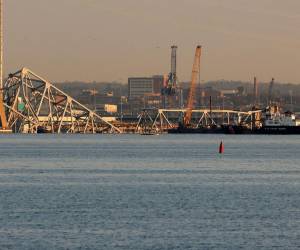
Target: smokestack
[(270, 94), (255, 92)]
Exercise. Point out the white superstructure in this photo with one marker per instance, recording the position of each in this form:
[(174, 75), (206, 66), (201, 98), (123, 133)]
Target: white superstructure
[(274, 118)]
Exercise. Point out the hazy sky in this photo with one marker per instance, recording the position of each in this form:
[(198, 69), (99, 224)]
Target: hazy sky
[(109, 40)]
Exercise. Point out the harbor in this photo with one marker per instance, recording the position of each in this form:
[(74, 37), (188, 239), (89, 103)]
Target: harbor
[(149, 125), (31, 104), (152, 105)]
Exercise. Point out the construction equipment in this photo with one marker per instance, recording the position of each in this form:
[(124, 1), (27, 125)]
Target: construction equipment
[(2, 113), (171, 83), (2, 109), (195, 72)]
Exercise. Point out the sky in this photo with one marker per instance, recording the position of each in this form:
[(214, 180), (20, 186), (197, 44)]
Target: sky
[(111, 40)]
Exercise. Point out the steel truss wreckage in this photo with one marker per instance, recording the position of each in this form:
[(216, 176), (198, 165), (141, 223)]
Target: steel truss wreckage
[(160, 120), (35, 105)]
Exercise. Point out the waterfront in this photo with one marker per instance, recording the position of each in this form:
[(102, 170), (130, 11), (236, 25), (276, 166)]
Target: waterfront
[(149, 192)]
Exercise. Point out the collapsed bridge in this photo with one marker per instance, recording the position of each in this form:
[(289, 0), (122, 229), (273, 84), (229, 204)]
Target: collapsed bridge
[(34, 105)]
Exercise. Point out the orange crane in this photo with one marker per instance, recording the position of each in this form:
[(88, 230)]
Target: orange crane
[(2, 109), (191, 100), (2, 112)]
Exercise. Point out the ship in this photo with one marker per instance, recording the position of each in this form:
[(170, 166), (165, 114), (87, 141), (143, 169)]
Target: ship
[(279, 123), (274, 122)]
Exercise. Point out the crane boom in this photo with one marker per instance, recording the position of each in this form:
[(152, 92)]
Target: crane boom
[(2, 109), (191, 100)]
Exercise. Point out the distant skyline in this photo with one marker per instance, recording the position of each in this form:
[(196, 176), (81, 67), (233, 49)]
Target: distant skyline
[(111, 40)]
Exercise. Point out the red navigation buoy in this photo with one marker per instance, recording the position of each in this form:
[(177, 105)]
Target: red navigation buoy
[(221, 148)]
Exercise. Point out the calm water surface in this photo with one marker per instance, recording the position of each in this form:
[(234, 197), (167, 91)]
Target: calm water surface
[(149, 192)]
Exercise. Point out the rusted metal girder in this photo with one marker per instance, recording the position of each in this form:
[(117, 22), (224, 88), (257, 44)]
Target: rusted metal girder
[(202, 117)]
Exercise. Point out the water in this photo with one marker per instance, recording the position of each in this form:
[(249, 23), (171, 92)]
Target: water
[(149, 192)]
